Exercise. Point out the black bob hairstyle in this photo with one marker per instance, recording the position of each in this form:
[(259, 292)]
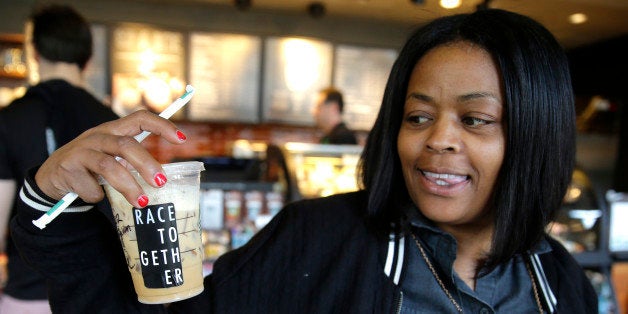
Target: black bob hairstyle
[(539, 118), (60, 34)]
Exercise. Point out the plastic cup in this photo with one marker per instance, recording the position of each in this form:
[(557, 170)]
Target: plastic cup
[(162, 241)]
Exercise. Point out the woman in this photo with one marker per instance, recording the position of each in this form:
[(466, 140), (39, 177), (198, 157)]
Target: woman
[(470, 155)]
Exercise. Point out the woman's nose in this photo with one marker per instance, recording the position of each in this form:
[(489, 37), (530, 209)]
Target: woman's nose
[(444, 137)]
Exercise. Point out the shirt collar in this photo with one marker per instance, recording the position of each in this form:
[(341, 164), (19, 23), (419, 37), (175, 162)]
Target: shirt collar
[(442, 245)]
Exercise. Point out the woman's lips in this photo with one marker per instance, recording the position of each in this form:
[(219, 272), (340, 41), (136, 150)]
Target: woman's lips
[(444, 179), (443, 184)]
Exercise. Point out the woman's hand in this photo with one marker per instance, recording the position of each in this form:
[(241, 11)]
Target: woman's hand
[(75, 166)]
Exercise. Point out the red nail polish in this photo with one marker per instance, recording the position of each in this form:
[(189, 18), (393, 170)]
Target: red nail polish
[(181, 136), (142, 200), (160, 179)]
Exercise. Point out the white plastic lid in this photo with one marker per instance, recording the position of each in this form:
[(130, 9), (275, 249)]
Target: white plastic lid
[(171, 170)]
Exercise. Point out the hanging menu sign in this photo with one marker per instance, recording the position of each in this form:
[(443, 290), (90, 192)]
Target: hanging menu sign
[(361, 74), (225, 70), (295, 69), (147, 68)]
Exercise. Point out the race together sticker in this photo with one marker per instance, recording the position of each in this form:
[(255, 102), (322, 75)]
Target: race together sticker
[(158, 245)]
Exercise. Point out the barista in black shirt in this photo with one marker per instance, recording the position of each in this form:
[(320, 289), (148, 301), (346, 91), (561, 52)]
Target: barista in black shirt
[(328, 115)]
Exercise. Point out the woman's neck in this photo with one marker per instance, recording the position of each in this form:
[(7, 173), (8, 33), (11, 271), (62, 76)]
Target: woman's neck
[(473, 246)]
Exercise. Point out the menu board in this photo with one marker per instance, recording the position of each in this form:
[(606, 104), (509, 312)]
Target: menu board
[(225, 70), (147, 68), (361, 73), (95, 72), (295, 69)]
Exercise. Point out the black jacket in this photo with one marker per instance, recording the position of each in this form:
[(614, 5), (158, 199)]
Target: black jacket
[(340, 134), (49, 115), (315, 256)]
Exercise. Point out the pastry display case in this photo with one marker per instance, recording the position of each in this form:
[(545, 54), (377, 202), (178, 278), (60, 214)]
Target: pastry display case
[(314, 170), (236, 201), (582, 226), (582, 221)]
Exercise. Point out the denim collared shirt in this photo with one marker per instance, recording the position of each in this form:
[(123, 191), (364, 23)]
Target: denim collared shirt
[(506, 289)]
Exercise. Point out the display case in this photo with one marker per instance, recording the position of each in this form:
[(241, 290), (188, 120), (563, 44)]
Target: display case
[(314, 170), (232, 212), (582, 222), (236, 201), (582, 226)]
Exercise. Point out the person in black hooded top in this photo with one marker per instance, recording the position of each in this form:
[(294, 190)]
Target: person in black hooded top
[(50, 114)]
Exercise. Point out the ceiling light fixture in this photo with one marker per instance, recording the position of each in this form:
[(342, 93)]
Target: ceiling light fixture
[(484, 5), (577, 18), (242, 5), (316, 9), (450, 4)]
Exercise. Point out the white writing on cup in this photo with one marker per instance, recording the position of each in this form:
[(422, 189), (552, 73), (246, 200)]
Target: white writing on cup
[(158, 245)]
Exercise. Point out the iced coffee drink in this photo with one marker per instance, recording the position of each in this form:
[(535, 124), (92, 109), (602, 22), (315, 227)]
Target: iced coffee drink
[(162, 241)]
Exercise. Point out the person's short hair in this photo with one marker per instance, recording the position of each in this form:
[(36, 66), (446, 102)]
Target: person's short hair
[(333, 95), (60, 33), (539, 123)]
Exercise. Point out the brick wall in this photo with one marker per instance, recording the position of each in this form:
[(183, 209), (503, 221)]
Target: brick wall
[(215, 139)]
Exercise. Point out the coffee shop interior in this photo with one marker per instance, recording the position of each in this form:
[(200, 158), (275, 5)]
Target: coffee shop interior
[(257, 65)]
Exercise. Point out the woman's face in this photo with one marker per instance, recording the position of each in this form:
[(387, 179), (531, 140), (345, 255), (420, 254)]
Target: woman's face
[(451, 142)]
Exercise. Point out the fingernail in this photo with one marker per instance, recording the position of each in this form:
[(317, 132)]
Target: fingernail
[(160, 179), (181, 136), (142, 200)]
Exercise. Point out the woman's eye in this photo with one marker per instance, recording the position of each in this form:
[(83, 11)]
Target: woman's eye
[(472, 121), (417, 119)]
